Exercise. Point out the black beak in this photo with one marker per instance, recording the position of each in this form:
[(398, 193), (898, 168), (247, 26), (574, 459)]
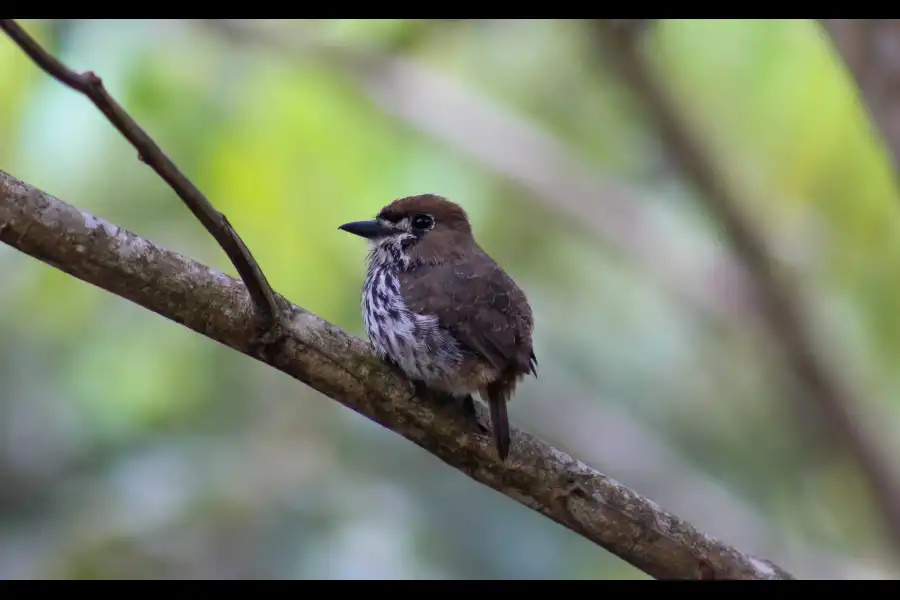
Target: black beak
[(366, 229)]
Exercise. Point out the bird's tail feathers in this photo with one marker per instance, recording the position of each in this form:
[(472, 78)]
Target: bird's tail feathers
[(499, 420)]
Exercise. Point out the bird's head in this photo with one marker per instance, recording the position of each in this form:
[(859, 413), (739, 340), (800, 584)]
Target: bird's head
[(416, 230)]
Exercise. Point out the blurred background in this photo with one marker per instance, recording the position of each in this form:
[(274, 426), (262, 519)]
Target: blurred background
[(131, 447)]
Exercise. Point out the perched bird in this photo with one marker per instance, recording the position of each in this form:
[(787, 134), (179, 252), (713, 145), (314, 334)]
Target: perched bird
[(441, 310)]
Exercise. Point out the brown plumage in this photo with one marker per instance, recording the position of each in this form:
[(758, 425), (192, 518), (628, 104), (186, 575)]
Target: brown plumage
[(441, 309)]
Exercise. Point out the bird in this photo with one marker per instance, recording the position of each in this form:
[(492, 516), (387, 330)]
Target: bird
[(439, 308)]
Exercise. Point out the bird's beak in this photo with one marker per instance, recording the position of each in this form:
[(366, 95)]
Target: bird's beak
[(366, 229)]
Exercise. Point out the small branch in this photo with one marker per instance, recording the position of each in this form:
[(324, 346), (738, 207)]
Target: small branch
[(215, 222), (871, 50), (777, 304), (344, 368)]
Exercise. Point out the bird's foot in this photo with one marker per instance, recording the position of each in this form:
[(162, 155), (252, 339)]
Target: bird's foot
[(471, 413), (421, 390), (465, 406), (414, 388)]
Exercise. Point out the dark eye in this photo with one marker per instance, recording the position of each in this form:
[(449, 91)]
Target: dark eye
[(422, 222)]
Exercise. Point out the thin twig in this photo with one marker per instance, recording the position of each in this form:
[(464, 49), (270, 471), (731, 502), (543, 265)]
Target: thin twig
[(345, 368), (776, 301), (215, 222)]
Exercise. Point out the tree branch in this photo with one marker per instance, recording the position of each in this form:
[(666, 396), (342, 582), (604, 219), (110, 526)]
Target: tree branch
[(778, 306), (215, 222), (344, 368), (871, 50)]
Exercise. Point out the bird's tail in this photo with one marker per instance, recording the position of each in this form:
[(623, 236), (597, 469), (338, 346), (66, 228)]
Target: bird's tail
[(499, 420)]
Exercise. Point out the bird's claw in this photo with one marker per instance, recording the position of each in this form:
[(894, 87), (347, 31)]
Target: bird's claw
[(466, 405), (420, 391), (471, 413)]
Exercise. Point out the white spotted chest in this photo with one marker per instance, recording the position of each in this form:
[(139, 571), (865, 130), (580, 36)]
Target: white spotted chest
[(419, 346)]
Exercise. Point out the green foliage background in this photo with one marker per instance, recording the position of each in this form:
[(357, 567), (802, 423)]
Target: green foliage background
[(131, 447)]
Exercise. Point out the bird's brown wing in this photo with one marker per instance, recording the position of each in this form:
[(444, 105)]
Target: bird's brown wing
[(480, 306)]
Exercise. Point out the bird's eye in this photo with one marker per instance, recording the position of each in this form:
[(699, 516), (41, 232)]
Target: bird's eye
[(422, 222)]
